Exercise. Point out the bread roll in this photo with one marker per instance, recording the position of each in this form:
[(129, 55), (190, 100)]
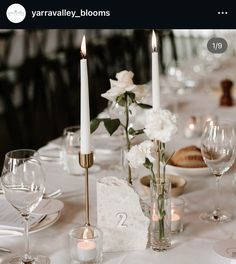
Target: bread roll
[(188, 157)]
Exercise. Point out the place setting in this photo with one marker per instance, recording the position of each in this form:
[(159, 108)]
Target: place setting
[(64, 151), (23, 184)]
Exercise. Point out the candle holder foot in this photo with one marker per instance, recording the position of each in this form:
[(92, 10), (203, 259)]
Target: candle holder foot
[(88, 232)]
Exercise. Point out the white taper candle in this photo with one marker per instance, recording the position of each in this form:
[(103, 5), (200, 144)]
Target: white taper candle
[(85, 137), (155, 74)]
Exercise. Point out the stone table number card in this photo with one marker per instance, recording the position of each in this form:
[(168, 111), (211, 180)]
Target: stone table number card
[(120, 217)]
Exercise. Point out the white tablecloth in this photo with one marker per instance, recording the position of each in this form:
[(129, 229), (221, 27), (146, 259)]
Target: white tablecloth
[(193, 245)]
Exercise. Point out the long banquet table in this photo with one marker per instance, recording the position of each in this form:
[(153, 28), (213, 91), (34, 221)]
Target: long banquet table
[(193, 245)]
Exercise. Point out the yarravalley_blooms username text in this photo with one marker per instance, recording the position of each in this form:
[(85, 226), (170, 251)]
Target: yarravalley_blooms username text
[(70, 13)]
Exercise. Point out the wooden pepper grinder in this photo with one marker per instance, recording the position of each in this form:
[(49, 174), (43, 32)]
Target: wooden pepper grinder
[(226, 98)]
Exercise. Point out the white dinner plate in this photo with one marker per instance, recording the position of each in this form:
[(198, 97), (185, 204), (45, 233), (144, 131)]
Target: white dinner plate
[(48, 221), (226, 248), (48, 207), (171, 169)]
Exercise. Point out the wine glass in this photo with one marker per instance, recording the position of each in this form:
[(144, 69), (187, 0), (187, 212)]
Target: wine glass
[(23, 186), (218, 151)]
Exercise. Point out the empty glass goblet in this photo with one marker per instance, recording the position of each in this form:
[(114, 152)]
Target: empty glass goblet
[(23, 186), (218, 151)]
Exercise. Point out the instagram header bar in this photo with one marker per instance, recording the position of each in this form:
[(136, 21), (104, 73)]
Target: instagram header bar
[(127, 15)]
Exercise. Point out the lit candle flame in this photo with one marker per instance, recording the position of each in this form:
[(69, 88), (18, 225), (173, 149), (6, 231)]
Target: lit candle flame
[(154, 215), (154, 41), (192, 126), (174, 215), (83, 47)]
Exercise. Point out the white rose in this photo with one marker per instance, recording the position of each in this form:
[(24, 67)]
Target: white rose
[(140, 92), (123, 84), (125, 77), (138, 154), (160, 125)]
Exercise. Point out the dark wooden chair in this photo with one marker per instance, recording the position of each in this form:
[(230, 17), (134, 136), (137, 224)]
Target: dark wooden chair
[(10, 126)]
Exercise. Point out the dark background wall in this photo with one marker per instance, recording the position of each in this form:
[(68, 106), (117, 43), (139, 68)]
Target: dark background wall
[(40, 81)]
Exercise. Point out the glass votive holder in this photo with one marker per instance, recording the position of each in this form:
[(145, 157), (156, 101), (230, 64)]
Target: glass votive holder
[(70, 151), (193, 128), (177, 215), (71, 146), (85, 250)]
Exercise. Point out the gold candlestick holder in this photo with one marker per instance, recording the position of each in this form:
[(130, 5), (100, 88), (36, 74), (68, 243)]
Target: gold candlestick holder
[(86, 240), (86, 161)]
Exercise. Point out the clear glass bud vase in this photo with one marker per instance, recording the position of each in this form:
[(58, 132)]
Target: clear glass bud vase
[(129, 174), (160, 216), (126, 170)]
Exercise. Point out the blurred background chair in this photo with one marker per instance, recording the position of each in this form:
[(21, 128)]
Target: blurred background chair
[(10, 124), (40, 75)]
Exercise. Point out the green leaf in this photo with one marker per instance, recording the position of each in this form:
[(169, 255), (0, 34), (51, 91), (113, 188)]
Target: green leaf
[(148, 164), (134, 132), (94, 124), (131, 97), (111, 125), (121, 100), (144, 106)]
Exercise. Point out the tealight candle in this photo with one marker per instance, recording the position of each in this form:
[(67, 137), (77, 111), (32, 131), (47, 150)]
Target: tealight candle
[(177, 213), (86, 250), (155, 217), (175, 222), (192, 128)]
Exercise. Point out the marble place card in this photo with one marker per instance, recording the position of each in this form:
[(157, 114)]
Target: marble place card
[(120, 217)]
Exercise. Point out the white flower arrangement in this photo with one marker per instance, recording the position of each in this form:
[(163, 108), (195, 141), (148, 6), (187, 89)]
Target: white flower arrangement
[(126, 95), (161, 126)]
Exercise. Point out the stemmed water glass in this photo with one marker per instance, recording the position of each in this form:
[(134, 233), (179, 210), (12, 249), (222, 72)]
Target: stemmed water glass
[(23, 184), (218, 151)]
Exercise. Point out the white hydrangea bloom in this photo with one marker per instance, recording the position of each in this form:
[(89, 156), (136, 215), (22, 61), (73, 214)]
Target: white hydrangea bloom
[(160, 125), (138, 153)]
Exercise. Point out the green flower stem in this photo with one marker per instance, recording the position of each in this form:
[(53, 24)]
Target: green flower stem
[(158, 172), (153, 178), (159, 192), (127, 133), (161, 208)]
